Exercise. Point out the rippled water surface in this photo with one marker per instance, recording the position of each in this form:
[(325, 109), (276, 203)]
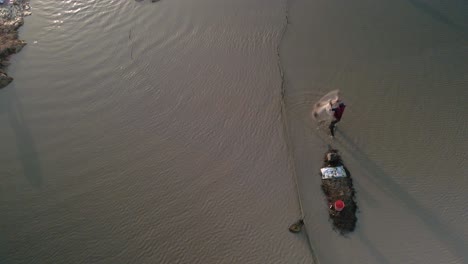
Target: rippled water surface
[(147, 133)]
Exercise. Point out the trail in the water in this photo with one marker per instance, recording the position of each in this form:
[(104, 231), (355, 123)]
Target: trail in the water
[(287, 137)]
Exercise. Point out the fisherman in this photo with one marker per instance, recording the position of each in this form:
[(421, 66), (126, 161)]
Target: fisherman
[(337, 114)]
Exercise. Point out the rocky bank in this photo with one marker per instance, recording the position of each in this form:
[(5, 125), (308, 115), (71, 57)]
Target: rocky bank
[(11, 19)]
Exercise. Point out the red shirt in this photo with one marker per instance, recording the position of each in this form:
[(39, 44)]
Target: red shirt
[(338, 111)]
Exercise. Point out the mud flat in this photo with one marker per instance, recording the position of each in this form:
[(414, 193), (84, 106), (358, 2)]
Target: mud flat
[(11, 19)]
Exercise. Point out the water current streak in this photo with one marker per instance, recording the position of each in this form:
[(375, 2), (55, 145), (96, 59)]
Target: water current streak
[(285, 126)]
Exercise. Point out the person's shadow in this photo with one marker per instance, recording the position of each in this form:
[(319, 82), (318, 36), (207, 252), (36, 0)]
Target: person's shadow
[(446, 234), (376, 253), (26, 148)]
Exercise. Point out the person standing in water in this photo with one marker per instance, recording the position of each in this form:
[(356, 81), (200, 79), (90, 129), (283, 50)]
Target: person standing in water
[(337, 114)]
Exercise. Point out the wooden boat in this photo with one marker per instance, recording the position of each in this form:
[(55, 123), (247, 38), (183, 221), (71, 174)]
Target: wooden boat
[(337, 186)]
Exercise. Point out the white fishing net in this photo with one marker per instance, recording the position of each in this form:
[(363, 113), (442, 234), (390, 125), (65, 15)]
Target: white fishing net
[(321, 111)]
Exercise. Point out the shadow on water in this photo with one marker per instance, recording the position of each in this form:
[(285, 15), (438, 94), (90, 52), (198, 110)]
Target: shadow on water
[(447, 235), (381, 259), (26, 148), (365, 196), (434, 13)]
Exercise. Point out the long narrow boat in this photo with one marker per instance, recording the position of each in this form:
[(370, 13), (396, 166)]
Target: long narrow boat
[(337, 186)]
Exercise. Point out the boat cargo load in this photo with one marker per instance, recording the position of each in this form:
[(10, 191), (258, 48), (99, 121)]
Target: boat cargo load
[(337, 186)]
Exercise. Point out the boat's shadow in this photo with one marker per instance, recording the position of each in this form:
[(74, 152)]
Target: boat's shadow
[(26, 148), (444, 233)]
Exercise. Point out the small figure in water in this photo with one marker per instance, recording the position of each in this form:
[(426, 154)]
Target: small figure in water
[(337, 114), (296, 227)]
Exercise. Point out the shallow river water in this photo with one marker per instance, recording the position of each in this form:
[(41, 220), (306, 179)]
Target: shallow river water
[(139, 132)]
